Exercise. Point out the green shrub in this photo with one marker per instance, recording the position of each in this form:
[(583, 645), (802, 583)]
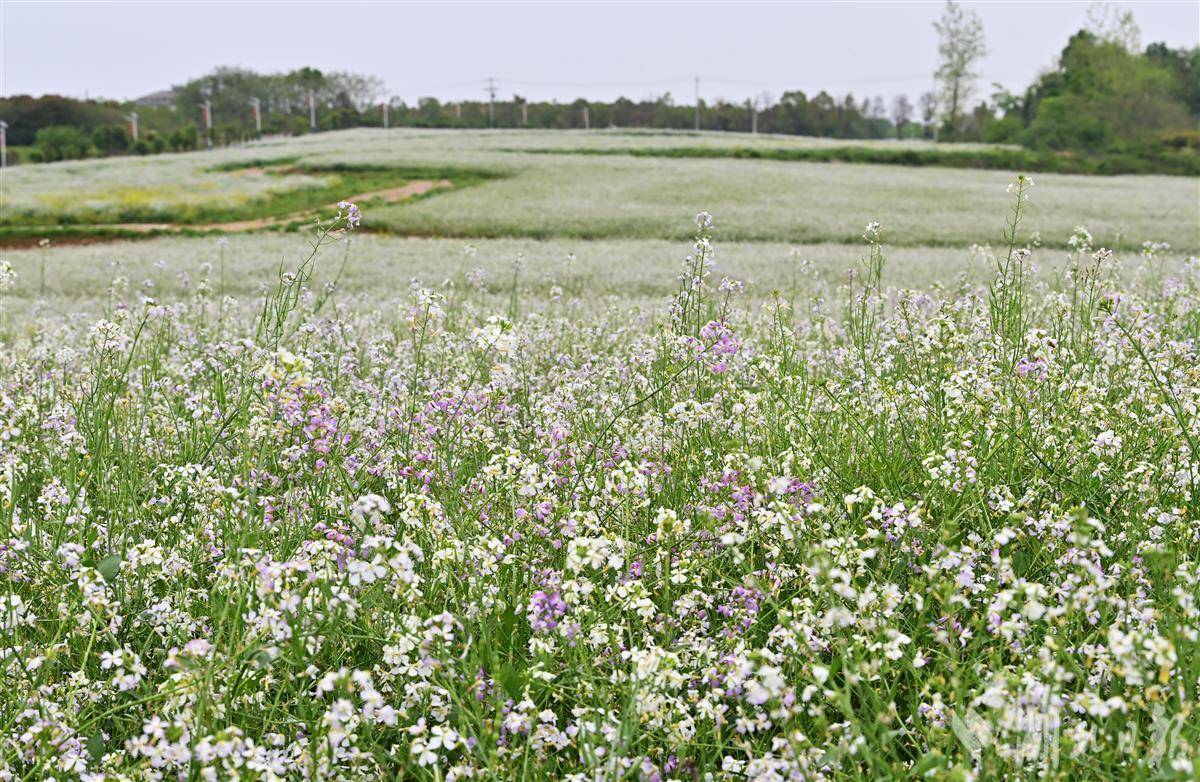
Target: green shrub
[(183, 139), (111, 139), (62, 142)]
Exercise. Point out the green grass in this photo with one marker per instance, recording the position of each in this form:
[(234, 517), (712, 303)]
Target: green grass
[(21, 237)]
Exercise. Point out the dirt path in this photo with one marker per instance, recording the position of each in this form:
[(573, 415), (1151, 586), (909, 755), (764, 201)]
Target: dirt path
[(415, 188), (391, 195)]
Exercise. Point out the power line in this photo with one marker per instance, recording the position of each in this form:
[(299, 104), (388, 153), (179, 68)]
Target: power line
[(657, 83), (455, 85), (834, 83)]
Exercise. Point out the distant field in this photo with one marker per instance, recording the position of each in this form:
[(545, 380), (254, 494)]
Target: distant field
[(614, 196), (379, 269)]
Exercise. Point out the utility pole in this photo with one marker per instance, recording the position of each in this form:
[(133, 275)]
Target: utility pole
[(3, 144), (697, 103), (312, 111), (491, 88), (384, 106), (133, 128), (257, 105), (752, 104), (587, 123), (524, 112), (207, 106)]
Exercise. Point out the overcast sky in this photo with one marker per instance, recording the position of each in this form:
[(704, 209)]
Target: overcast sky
[(539, 50)]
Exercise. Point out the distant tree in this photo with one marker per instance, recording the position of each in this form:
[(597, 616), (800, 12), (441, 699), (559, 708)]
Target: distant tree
[(1109, 24), (1103, 72), (623, 112), (664, 109), (341, 99), (1184, 64), (429, 112), (1013, 110), (979, 123), (849, 118), (62, 142), (26, 115), (183, 139), (111, 139), (929, 109), (795, 114), (339, 118), (307, 78), (960, 47), (1102, 95), (351, 90), (901, 113)]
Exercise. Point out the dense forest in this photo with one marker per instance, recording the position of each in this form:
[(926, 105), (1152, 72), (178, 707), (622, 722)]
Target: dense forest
[(1106, 97)]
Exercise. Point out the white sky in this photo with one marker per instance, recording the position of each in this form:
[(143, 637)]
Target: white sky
[(539, 50)]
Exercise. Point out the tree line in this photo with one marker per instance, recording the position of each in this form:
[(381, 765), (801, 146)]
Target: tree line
[(1106, 95)]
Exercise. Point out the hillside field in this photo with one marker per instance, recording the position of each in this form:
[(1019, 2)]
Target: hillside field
[(541, 464), (505, 188)]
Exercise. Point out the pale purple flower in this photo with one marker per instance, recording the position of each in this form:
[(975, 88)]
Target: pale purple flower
[(351, 212)]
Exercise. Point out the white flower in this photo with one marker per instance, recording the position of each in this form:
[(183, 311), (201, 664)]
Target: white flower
[(8, 277)]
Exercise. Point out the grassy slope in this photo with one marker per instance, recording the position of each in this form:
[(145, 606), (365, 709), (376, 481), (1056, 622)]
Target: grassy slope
[(799, 202), (591, 196)]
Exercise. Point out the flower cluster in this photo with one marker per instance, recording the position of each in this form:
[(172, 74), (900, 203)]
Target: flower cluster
[(431, 542)]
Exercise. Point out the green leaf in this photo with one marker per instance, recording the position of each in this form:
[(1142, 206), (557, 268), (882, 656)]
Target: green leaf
[(512, 680), (95, 746), (109, 566)]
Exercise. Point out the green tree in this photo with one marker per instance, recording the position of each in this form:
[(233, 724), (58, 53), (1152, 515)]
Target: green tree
[(960, 47), (111, 139), (902, 111), (1102, 95), (1110, 24), (183, 139), (62, 142), (1184, 65), (26, 115)]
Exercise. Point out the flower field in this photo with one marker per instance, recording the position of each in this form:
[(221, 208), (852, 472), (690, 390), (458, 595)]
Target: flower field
[(497, 525), (529, 194)]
